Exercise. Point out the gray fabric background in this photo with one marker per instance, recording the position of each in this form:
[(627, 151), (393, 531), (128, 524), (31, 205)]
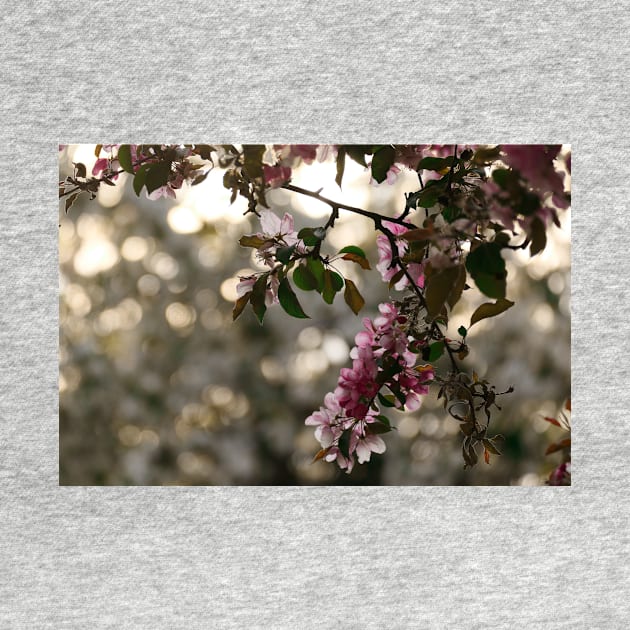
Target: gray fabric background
[(306, 557)]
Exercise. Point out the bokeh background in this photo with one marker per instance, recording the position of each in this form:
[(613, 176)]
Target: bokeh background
[(157, 385)]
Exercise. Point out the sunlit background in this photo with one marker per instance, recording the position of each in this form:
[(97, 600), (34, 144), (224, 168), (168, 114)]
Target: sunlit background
[(157, 385)]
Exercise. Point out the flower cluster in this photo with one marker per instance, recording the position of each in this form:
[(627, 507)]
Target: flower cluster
[(350, 420), (532, 191), (279, 160), (385, 255), (276, 233)]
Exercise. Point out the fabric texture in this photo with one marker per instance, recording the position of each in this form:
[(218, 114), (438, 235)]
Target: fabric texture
[(313, 557)]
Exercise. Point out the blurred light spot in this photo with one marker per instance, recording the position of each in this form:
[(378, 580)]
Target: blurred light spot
[(310, 338), (543, 317), (218, 395), (130, 313), (77, 300), (110, 196), (409, 427), (150, 438), (422, 450), (209, 256), (189, 463), (540, 425), (206, 298), (164, 265), (273, 370), (240, 407), (530, 479), (93, 226), (211, 319), (211, 200), (129, 435), (71, 378), (228, 289), (148, 285), (177, 287), (95, 255), (349, 231), (336, 348), (83, 153), (180, 315), (134, 248), (556, 282), (430, 424), (184, 220), (315, 361)]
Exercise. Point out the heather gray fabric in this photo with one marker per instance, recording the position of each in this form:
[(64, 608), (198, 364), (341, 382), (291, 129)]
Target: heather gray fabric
[(300, 557)]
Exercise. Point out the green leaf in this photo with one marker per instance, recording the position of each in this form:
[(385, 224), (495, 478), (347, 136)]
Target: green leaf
[(358, 152), (486, 155), (386, 400), (257, 298), (487, 269), (316, 267), (462, 331), (458, 287), (352, 249), (506, 179), (382, 161), (157, 176), (439, 286), (341, 165), (251, 240), (356, 255), (70, 200), (304, 278), (124, 157), (490, 310), (490, 446), (252, 159), (450, 213), (311, 236), (435, 163), (333, 283), (379, 427), (80, 170), (140, 178), (344, 443), (396, 277), (283, 254), (288, 300), (353, 298), (538, 236), (428, 197), (436, 350), (240, 305)]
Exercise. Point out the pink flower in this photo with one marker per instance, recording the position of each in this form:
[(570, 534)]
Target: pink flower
[(163, 191), (385, 256), (278, 229), (247, 283), (561, 476), (368, 445), (102, 165), (275, 176), (308, 152), (345, 463)]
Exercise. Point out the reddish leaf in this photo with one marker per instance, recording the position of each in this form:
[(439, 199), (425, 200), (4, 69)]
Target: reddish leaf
[(321, 454), (558, 446), (355, 258), (552, 420)]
